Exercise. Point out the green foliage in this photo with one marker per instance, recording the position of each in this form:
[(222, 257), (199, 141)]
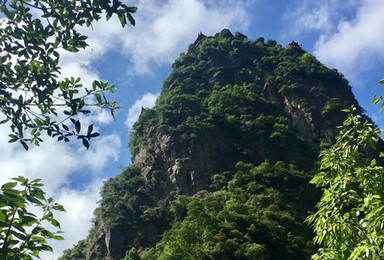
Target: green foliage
[(23, 234), (121, 196), (32, 97), (378, 98), (231, 83), (350, 216), (78, 252), (120, 207), (243, 121), (249, 218)]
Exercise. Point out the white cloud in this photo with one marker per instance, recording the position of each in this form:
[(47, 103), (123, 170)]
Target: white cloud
[(164, 30), (54, 163), (319, 16), (357, 43), (50, 162), (76, 222), (102, 150), (147, 101), (348, 34), (306, 17)]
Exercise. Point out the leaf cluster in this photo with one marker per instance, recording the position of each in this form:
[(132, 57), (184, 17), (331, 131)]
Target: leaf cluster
[(349, 219), (33, 97), (23, 233)]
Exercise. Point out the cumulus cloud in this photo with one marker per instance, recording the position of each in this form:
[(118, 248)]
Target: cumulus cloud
[(50, 162), (146, 101), (320, 16), (357, 43), (163, 30), (54, 163), (348, 34), (76, 222), (102, 150), (307, 18)]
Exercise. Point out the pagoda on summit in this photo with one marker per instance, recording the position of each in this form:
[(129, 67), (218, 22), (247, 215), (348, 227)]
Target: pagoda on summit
[(199, 39), (296, 47)]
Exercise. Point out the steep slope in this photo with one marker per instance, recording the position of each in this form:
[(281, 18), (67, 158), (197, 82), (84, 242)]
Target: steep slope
[(221, 164)]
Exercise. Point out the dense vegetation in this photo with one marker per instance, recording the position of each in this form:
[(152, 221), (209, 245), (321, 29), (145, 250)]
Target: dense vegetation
[(222, 163), (234, 82), (251, 213), (350, 215)]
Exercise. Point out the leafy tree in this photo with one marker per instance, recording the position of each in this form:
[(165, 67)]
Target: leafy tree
[(33, 99), (22, 232), (350, 216)]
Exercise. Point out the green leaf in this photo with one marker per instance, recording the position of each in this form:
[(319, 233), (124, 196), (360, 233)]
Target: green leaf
[(373, 162), (58, 207), (2, 216), (21, 179), (24, 144), (90, 129), (78, 126), (98, 98), (54, 222), (94, 135), (132, 9), (9, 185), (13, 139), (123, 20), (130, 19), (86, 143), (58, 237), (66, 128), (376, 100)]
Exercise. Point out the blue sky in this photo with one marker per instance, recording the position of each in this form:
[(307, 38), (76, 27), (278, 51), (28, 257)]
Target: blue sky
[(347, 35)]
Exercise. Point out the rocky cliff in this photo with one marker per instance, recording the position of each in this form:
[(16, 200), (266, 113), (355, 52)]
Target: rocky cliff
[(221, 164)]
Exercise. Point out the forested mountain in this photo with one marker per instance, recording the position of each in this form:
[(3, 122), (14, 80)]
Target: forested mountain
[(221, 164)]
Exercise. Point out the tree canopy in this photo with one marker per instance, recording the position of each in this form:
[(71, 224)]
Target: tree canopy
[(33, 97)]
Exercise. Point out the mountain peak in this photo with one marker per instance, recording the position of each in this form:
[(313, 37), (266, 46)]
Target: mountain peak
[(221, 163)]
